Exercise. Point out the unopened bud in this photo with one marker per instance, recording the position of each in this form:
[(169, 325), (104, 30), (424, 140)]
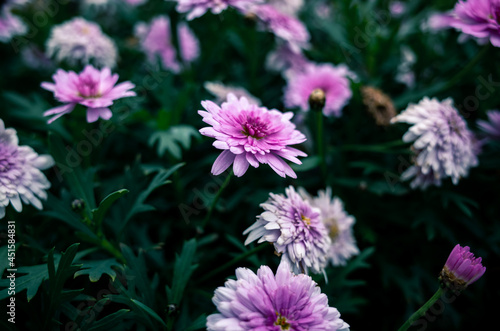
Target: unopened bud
[(317, 99)]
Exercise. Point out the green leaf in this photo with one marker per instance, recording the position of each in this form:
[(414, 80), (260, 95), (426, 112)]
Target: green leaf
[(172, 139), (159, 180), (4, 262), (198, 323), (183, 268), (136, 268), (99, 213), (96, 268), (65, 270), (149, 311), (79, 181), (110, 320), (31, 280)]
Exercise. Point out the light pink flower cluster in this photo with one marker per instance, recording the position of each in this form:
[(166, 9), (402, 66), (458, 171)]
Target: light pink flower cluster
[(250, 135), (92, 88), (156, 41), (10, 24)]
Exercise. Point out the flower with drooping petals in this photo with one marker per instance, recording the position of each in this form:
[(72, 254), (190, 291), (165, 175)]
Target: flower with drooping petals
[(20, 175), (461, 269), (10, 25), (81, 41), (491, 128), (332, 80), (92, 88), (287, 28), (477, 18), (264, 301), (221, 91), (338, 223), (156, 41), (295, 229), (197, 8), (250, 135), (443, 144)]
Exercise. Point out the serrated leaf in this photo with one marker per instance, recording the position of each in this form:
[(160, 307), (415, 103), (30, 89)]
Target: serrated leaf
[(31, 281), (149, 311), (136, 266), (172, 139), (96, 268), (4, 262)]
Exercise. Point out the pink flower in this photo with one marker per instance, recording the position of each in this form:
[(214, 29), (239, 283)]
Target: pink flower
[(287, 28), (156, 41), (491, 128), (92, 88), (250, 135), (461, 269), (332, 80)]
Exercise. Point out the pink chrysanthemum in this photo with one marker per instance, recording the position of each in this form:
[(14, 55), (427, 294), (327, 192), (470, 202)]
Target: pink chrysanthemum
[(295, 229), (338, 223), (477, 18), (197, 8), (491, 128), (92, 88), (443, 144), (156, 41), (333, 81), (287, 28), (250, 135), (20, 175), (10, 24), (264, 301), (461, 269), (81, 41)]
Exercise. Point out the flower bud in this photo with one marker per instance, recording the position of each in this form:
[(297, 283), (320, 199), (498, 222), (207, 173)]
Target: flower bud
[(317, 99)]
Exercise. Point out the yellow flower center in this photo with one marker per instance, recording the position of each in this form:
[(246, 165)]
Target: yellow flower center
[(334, 229), (306, 220), (281, 321)]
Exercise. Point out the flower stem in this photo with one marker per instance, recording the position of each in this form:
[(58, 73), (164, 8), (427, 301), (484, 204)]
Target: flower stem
[(232, 262), (105, 244), (421, 312), (215, 200), (321, 142)]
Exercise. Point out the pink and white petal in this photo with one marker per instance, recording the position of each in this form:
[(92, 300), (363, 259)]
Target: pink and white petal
[(48, 86), (59, 111), (93, 114), (240, 165), (252, 160), (220, 144), (223, 161)]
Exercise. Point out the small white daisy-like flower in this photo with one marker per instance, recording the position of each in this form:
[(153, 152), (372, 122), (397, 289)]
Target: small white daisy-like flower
[(20, 175)]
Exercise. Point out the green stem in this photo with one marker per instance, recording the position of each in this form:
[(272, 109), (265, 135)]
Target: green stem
[(232, 262), (321, 142), (105, 244), (421, 312), (215, 200)]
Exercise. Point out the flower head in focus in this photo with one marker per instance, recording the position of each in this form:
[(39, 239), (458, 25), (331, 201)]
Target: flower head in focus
[(21, 179), (197, 8), (250, 135), (81, 41), (338, 223), (156, 41), (10, 25), (443, 144), (92, 88), (295, 229), (332, 80), (265, 301), (491, 128), (461, 269)]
